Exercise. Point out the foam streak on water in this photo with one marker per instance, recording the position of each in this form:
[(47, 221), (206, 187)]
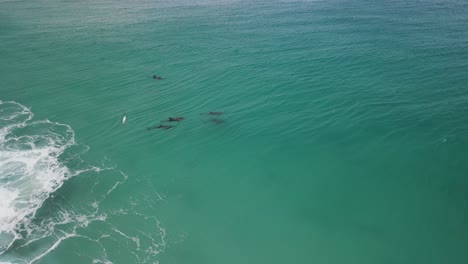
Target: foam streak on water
[(35, 158), (30, 169)]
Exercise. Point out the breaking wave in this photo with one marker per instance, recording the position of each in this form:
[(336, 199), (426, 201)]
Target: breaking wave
[(30, 167), (36, 157)]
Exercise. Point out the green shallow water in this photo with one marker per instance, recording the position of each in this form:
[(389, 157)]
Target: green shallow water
[(344, 137)]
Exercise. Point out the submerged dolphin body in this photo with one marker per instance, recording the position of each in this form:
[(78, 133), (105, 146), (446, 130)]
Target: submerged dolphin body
[(175, 119), (213, 113), (217, 121), (160, 127)]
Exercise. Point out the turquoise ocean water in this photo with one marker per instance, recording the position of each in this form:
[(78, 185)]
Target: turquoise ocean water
[(344, 137)]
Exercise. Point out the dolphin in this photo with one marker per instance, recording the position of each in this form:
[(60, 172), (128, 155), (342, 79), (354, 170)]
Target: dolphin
[(217, 121), (175, 119), (160, 127), (213, 113)]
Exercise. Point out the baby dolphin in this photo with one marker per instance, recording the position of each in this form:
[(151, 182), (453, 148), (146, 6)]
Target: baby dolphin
[(175, 119), (217, 121), (157, 77)]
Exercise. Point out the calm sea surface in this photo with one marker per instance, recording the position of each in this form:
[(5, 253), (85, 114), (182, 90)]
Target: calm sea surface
[(343, 137)]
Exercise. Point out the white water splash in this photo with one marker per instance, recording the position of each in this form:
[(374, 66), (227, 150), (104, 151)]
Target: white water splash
[(30, 169)]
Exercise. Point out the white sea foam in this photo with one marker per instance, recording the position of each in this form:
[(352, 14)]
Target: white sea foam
[(30, 167), (33, 158)]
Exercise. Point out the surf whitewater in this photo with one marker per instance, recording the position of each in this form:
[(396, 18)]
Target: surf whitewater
[(34, 164), (30, 167)]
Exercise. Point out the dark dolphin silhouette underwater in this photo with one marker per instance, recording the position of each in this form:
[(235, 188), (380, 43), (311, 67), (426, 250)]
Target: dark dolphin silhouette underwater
[(175, 119), (217, 121), (213, 113), (160, 127)]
